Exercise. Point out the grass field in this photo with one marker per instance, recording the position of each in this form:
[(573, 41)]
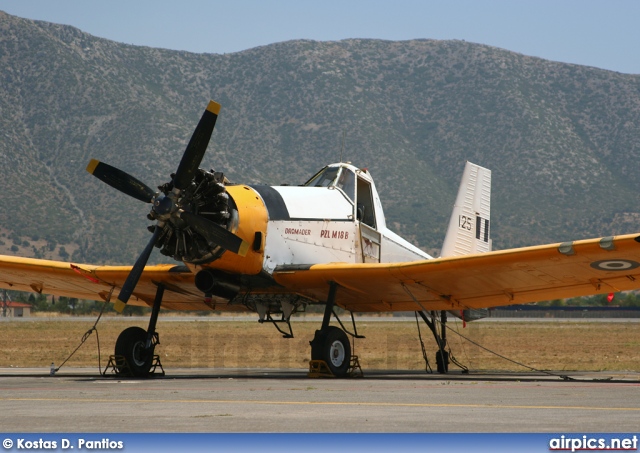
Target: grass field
[(556, 345)]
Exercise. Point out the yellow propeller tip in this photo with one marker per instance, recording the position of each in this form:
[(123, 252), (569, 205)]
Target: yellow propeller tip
[(92, 165), (244, 248), (119, 306), (214, 107)]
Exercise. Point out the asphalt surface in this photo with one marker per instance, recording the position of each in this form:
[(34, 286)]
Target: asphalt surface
[(267, 400)]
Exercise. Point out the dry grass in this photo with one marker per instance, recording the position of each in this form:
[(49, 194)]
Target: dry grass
[(389, 345)]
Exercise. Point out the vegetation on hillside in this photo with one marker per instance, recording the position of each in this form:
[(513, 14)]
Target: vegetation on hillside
[(561, 139)]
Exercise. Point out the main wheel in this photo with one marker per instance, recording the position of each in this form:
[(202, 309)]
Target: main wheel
[(130, 345), (334, 349)]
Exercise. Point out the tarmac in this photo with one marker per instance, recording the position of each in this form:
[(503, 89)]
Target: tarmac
[(287, 401)]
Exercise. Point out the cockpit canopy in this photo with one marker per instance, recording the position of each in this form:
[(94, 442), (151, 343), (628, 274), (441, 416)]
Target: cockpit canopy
[(355, 184), (341, 177)]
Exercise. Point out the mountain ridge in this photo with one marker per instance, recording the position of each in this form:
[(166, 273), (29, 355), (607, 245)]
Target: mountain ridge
[(561, 139)]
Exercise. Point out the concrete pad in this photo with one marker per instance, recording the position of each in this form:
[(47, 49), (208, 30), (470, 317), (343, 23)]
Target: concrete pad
[(269, 400)]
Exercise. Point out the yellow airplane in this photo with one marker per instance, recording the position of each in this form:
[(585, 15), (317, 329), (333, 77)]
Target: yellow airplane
[(274, 250)]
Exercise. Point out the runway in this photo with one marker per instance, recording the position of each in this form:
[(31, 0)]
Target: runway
[(267, 400)]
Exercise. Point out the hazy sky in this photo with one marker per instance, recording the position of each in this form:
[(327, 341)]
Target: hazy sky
[(604, 34)]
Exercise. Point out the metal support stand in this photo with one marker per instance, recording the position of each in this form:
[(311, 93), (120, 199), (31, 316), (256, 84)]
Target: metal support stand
[(353, 322), (275, 322), (118, 365), (319, 369)]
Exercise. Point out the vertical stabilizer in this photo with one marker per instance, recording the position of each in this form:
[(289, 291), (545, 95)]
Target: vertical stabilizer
[(469, 226)]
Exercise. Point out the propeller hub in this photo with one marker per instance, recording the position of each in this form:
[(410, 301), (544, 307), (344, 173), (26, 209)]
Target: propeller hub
[(163, 207), (198, 220)]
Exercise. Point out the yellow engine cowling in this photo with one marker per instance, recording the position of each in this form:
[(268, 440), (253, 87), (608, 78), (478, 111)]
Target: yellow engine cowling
[(251, 227)]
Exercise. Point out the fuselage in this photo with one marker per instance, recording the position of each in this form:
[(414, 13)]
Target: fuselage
[(336, 216)]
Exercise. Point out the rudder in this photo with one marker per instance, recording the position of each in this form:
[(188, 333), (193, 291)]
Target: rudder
[(469, 226)]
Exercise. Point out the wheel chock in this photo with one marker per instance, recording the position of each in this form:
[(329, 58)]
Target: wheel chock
[(320, 369), (119, 366), (355, 370), (154, 365)]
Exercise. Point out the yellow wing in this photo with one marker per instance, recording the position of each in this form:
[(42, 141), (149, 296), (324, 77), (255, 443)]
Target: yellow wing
[(91, 282), (515, 276), (490, 279)]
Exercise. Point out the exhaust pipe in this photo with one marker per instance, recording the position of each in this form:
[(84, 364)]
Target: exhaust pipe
[(215, 283)]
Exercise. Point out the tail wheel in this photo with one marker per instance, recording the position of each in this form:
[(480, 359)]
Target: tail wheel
[(334, 349), (131, 345)]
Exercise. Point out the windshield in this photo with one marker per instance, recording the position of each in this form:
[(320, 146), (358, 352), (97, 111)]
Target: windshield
[(340, 177), (324, 178), (347, 182)]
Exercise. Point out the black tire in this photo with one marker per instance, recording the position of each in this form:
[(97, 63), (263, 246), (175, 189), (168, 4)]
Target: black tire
[(336, 351), (317, 345), (130, 345)]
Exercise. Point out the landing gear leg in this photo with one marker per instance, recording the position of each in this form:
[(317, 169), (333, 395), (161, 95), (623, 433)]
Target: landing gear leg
[(137, 345), (330, 343), (442, 355)]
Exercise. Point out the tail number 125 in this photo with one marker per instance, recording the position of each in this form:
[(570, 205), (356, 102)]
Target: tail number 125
[(465, 222)]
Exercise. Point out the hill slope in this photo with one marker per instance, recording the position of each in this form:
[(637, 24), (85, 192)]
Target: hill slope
[(562, 140)]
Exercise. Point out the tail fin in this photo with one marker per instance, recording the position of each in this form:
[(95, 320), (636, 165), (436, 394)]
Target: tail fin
[(468, 230)]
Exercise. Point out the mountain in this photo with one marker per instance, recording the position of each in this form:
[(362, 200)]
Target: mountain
[(562, 140)]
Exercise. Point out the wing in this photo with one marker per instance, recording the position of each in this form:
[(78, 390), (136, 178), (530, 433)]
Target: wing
[(490, 279), (99, 282)]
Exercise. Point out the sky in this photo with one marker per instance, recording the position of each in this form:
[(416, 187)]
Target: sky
[(603, 34)]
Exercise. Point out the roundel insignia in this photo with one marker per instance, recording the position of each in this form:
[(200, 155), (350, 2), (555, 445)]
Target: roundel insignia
[(615, 265)]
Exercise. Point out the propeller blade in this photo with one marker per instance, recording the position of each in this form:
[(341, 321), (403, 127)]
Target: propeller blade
[(215, 233), (197, 146), (136, 271), (120, 180)]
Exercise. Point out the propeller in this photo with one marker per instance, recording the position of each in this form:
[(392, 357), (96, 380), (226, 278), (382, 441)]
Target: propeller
[(120, 180), (135, 273), (197, 146), (174, 207)]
